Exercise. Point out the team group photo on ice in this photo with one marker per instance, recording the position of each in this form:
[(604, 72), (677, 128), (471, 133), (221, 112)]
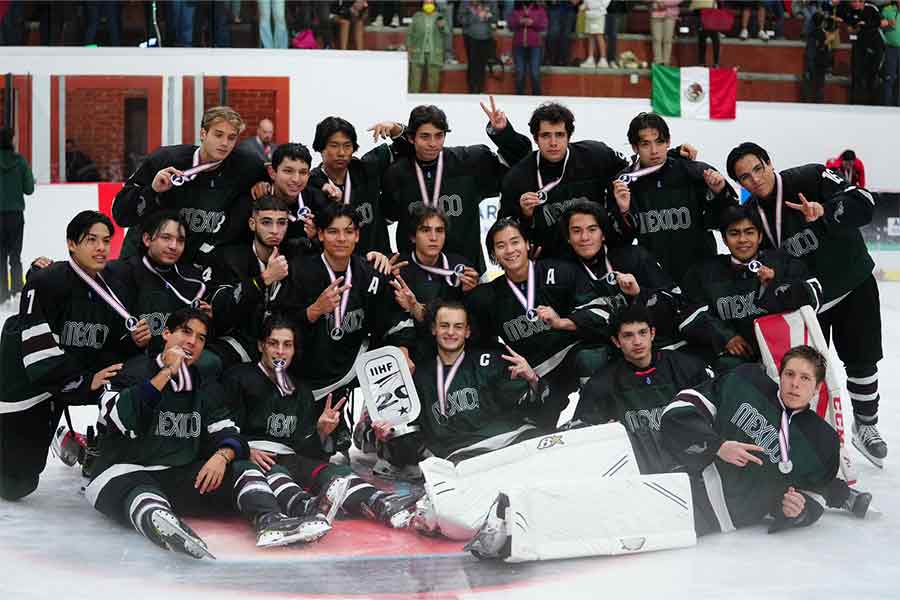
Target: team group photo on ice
[(631, 357)]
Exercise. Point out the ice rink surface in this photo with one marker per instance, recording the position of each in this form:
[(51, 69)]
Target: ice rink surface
[(54, 545)]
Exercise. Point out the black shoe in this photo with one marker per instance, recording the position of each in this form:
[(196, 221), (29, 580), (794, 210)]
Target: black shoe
[(168, 531), (858, 503), (276, 529), (394, 510)]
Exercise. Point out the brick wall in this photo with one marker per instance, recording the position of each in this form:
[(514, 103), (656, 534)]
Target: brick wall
[(252, 105)]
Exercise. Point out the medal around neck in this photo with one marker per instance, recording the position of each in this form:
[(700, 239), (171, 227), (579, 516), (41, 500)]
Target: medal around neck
[(336, 333), (754, 266), (611, 278), (786, 466), (279, 363)]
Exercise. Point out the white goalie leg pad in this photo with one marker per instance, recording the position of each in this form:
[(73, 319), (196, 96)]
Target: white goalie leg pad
[(599, 517), (461, 495)]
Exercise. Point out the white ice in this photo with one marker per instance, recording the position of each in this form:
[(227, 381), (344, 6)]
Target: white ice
[(54, 545)]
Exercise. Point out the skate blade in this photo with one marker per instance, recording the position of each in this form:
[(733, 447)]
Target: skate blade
[(878, 462), (175, 535), (307, 534)]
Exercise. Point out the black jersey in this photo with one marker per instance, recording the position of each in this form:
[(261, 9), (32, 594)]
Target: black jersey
[(724, 298), (215, 204), (673, 213), (470, 174), (636, 398), (832, 246), (311, 199), (588, 171), (328, 356)]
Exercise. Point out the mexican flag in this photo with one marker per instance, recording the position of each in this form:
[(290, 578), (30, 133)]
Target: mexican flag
[(694, 92)]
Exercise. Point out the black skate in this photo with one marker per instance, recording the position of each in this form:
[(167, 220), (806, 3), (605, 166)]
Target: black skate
[(276, 529), (493, 539), (869, 442), (170, 532), (394, 510), (858, 503)]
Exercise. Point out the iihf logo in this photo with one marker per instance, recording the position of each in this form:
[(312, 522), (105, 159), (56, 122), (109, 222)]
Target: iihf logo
[(550, 441)]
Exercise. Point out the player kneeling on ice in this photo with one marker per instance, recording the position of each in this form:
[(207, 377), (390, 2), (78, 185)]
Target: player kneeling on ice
[(289, 432), (167, 444), (755, 447)]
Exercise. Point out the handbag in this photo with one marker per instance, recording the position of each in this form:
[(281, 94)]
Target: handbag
[(305, 40), (717, 19)]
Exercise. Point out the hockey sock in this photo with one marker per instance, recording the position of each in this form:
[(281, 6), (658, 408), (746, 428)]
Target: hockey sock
[(862, 386), (141, 503), (293, 500), (252, 494)]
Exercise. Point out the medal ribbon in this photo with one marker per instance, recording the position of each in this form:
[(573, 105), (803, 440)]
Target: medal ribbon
[(171, 287), (451, 275), (545, 189), (776, 240), (107, 295), (341, 310), (345, 194), (634, 175), (180, 381), (439, 175), (527, 303), (192, 173), (281, 379), (443, 386), (609, 268)]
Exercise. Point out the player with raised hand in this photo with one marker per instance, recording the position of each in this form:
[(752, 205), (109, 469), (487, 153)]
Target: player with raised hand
[(669, 202), (754, 447), (454, 179), (209, 185), (820, 226), (277, 414), (70, 337)]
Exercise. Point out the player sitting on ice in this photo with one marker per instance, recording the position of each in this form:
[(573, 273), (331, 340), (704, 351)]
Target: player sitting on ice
[(167, 444), (726, 293), (279, 417), (754, 447)]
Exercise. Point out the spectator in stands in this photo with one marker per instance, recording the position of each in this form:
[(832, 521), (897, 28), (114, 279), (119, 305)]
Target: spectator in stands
[(79, 166), (386, 14), (180, 22), (561, 17), (12, 24), (746, 10), (849, 167), (446, 7), (350, 15), (867, 52), (311, 12), (261, 144), (816, 60), (478, 22), (776, 9), (663, 15), (615, 11), (273, 31), (528, 21), (594, 28), (217, 23), (16, 181), (890, 95), (698, 6), (112, 12), (425, 44)]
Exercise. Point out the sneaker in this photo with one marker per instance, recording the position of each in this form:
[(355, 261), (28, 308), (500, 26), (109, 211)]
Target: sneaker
[(394, 510), (613, 64), (276, 529), (588, 63), (378, 22), (395, 21), (451, 61), (744, 34), (763, 35), (492, 539), (68, 446), (170, 532), (858, 503), (603, 64), (869, 442)]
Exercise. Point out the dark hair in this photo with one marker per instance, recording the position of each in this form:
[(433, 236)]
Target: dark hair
[(634, 313), (438, 303), (551, 112), (582, 207), (498, 226), (185, 314), (6, 138), (807, 353), (335, 210), (742, 150), (155, 222), (292, 152), (81, 224), (647, 120), (276, 320), (426, 114), (733, 214), (329, 126), (423, 212), (269, 203), (848, 155)]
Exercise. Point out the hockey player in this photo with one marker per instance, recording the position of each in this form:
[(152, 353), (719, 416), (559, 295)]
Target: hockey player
[(290, 173), (754, 447), (668, 202), (519, 306), (209, 185), (341, 304), (248, 280), (636, 389), (429, 274), (726, 293), (68, 340), (342, 177), (455, 179), (815, 215), (158, 419), (277, 415)]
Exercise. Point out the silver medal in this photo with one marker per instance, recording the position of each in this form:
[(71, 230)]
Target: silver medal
[(131, 323), (611, 278), (542, 196), (626, 179), (754, 266), (177, 180), (786, 466), (304, 212), (337, 333), (458, 271), (531, 314)]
